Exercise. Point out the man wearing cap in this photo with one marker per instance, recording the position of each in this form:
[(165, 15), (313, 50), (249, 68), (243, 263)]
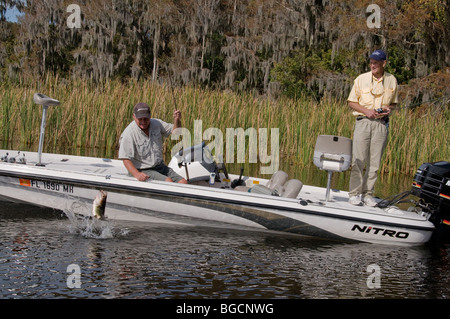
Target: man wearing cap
[(373, 96), (141, 146)]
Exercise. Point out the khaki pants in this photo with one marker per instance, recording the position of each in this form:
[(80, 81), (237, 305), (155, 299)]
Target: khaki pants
[(369, 141), (160, 172)]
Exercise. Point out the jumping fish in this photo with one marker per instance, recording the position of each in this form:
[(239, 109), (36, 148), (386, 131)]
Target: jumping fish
[(98, 207)]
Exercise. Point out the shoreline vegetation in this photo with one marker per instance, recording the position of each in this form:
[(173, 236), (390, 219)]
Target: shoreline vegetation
[(93, 115), (240, 64)]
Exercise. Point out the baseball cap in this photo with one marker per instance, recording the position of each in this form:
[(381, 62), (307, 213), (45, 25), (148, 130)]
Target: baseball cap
[(378, 55), (141, 110)]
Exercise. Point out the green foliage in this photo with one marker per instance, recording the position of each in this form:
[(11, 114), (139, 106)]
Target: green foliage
[(307, 47), (214, 59), (59, 62), (397, 65), (293, 72)]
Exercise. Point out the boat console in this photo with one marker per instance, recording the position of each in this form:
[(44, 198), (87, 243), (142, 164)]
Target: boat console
[(194, 164)]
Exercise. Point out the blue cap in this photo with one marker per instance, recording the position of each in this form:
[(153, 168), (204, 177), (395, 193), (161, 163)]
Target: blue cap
[(378, 55)]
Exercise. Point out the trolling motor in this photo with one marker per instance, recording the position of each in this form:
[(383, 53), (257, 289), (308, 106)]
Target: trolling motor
[(46, 101)]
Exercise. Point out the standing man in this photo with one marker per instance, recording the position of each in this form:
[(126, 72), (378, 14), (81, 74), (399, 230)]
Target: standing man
[(141, 146), (373, 96)]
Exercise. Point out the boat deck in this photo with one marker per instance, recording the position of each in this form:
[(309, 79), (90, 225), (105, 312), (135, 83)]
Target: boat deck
[(111, 168)]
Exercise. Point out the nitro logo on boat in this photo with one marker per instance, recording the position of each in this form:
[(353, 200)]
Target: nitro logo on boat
[(380, 231)]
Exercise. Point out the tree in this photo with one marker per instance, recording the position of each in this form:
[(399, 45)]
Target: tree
[(242, 45)]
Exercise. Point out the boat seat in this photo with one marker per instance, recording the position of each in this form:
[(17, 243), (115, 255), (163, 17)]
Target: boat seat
[(242, 188), (291, 188), (279, 185), (42, 99), (332, 154), (276, 182)]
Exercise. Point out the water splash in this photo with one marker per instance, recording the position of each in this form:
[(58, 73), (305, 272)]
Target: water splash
[(91, 227)]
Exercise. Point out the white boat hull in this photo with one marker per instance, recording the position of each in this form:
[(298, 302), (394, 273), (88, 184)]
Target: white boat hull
[(70, 183)]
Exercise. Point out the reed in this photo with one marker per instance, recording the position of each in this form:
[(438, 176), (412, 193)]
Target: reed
[(92, 116)]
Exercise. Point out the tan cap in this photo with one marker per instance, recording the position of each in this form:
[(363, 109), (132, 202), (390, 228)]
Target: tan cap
[(141, 110)]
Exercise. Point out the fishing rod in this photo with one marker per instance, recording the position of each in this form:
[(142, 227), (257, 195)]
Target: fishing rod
[(182, 163), (420, 103), (380, 110), (171, 87)]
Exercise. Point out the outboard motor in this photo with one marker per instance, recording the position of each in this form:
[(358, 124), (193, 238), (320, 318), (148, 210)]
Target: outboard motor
[(432, 185)]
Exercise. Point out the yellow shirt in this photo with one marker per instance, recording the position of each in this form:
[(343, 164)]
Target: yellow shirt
[(372, 93)]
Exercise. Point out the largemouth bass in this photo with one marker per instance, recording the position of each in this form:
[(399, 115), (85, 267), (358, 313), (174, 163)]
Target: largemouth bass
[(98, 207)]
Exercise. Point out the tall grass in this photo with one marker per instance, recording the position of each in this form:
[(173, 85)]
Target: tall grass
[(92, 116)]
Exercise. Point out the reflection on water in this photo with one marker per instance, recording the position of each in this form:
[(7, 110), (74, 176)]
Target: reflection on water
[(162, 261)]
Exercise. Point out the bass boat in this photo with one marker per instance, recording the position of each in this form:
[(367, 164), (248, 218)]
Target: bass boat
[(216, 198)]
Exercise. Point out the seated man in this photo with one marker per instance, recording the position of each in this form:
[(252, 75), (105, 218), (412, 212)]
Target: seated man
[(141, 146)]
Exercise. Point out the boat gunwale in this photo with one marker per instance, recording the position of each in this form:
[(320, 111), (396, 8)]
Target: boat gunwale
[(127, 188)]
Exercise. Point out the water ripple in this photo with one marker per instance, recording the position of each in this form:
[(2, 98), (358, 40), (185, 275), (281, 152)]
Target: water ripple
[(161, 261)]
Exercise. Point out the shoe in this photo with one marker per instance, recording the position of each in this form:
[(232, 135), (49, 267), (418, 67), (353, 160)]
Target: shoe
[(370, 201), (355, 200)]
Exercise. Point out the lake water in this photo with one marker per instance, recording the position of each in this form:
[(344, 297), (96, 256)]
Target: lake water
[(44, 254)]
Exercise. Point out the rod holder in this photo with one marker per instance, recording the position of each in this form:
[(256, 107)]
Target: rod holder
[(46, 101)]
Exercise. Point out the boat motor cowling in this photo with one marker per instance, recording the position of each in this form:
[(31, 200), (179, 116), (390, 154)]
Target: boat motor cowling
[(432, 185)]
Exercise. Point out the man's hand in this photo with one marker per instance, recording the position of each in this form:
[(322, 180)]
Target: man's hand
[(384, 111), (176, 119), (374, 114), (369, 113), (134, 171), (177, 115), (141, 176)]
